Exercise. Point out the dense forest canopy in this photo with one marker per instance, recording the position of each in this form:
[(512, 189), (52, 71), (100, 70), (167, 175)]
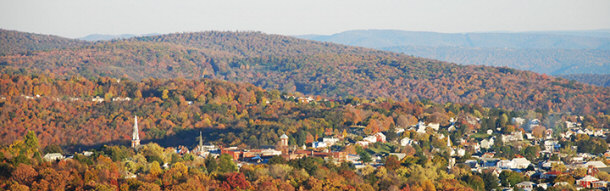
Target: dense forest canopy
[(295, 65), (64, 112)]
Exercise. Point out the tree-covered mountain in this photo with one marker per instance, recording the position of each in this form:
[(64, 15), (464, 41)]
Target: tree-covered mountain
[(552, 52), (15, 42), (295, 65)]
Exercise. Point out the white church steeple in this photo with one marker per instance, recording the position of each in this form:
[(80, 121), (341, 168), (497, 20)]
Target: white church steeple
[(135, 138)]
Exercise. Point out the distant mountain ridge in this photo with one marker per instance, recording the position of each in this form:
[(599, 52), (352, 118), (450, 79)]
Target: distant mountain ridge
[(551, 52), (102, 37), (595, 79), (548, 61), (315, 68), (13, 42), (529, 40)]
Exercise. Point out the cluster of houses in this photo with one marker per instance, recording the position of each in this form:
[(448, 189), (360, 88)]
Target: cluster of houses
[(96, 99), (542, 170), (481, 160), (482, 157)]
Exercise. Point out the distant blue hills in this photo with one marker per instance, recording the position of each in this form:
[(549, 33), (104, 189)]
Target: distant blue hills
[(102, 37), (549, 52)]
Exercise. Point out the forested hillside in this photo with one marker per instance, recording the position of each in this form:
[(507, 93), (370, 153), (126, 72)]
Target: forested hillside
[(295, 65), (235, 114), (85, 98), (13, 42)]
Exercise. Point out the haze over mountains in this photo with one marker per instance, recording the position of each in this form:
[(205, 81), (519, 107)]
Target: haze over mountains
[(100, 37), (552, 52), (296, 65)]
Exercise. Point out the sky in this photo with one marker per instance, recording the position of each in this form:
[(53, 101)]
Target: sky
[(78, 18)]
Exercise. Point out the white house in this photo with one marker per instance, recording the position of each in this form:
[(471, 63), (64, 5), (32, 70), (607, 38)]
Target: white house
[(370, 139), (87, 153), (526, 185), (330, 140), (570, 124), (421, 127), (319, 145), (516, 163), (380, 137), (399, 130), (520, 163), (434, 126), (121, 99), (461, 152), (271, 152), (487, 143), (518, 121), (400, 156), (595, 164), (53, 156), (406, 141), (514, 136), (551, 145), (97, 99)]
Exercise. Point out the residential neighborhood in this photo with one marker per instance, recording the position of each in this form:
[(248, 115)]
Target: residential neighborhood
[(542, 162)]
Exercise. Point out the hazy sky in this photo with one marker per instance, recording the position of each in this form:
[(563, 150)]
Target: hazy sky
[(78, 18)]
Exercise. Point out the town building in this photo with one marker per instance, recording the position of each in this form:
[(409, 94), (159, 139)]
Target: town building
[(586, 181), (284, 140)]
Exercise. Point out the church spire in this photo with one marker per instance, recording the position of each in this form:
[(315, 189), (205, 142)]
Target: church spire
[(200, 139), (135, 138)]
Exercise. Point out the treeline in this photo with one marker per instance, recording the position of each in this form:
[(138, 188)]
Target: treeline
[(294, 65)]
